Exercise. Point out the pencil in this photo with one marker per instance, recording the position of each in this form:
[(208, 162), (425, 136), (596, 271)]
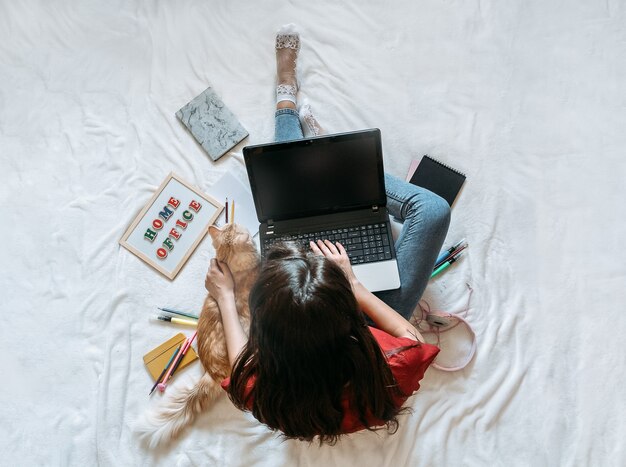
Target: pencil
[(185, 350), (165, 369), (232, 212), (170, 373), (226, 209), (178, 358)]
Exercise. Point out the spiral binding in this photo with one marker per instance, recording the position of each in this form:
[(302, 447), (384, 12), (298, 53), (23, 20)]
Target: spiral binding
[(445, 165)]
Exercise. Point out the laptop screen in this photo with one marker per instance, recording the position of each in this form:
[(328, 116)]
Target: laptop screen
[(316, 176)]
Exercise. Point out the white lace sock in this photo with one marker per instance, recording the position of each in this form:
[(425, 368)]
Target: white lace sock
[(286, 92), (309, 123), (287, 48)]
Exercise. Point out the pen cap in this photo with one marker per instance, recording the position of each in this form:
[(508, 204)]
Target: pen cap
[(159, 319), (457, 256)]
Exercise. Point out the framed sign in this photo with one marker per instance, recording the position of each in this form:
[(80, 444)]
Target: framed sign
[(171, 225)]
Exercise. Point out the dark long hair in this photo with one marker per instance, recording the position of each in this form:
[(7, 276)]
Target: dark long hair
[(309, 348)]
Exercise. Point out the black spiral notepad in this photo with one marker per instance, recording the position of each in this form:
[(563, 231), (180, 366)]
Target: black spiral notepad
[(438, 178)]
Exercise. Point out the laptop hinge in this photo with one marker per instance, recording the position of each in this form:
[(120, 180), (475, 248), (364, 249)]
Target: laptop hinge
[(375, 208), (270, 227)]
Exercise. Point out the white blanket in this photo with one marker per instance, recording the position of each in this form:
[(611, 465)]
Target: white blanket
[(526, 97)]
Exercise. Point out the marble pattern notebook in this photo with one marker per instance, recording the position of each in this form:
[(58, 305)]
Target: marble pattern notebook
[(213, 125)]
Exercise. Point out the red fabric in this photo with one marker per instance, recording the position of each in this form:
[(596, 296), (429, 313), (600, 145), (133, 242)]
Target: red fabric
[(408, 367)]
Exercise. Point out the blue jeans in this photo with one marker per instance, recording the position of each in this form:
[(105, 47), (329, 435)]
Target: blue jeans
[(425, 217)]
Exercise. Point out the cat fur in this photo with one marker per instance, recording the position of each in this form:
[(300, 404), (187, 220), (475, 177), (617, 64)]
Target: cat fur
[(234, 246)]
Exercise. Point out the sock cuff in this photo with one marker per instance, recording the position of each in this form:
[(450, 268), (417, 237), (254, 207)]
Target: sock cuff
[(286, 92)]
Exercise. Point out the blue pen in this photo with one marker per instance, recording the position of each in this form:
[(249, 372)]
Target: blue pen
[(444, 254), (451, 255)]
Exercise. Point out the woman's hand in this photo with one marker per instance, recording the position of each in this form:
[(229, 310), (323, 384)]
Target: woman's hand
[(219, 281), (335, 252)]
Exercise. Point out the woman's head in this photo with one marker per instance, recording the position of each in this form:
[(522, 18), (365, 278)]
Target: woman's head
[(309, 347), (302, 307)]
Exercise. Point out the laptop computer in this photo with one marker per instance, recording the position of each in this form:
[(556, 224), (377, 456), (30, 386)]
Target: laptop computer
[(327, 187)]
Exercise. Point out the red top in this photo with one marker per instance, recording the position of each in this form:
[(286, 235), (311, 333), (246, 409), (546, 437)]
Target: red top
[(407, 366)]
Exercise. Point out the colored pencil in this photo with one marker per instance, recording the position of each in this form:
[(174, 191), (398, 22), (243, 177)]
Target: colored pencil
[(165, 369), (180, 358)]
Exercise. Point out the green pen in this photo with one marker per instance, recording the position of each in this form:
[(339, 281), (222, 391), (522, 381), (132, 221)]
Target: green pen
[(176, 312), (445, 265)]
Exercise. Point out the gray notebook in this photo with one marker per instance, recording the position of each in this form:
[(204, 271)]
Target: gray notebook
[(213, 125)]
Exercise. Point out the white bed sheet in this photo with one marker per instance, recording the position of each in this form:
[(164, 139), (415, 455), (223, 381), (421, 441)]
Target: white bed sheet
[(527, 97)]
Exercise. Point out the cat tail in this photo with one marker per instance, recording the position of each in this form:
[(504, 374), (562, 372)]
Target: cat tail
[(165, 422)]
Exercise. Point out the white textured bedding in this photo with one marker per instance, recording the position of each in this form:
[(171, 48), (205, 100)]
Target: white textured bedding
[(527, 97)]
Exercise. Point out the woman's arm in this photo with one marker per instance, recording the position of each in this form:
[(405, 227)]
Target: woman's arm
[(219, 283), (385, 317), (235, 337)]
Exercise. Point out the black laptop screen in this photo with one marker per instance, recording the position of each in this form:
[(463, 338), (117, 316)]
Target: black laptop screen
[(316, 176)]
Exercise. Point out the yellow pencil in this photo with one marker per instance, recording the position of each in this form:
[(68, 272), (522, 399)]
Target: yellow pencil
[(232, 211)]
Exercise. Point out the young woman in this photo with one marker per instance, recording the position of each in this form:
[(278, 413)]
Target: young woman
[(311, 366)]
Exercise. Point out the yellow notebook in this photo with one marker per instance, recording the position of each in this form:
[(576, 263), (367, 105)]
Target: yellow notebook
[(156, 359)]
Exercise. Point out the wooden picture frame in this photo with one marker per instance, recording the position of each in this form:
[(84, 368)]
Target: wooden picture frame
[(171, 225)]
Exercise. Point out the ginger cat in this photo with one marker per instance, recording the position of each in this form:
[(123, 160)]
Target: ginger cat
[(233, 246)]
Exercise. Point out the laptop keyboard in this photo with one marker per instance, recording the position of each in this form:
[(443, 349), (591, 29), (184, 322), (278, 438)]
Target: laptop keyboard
[(363, 243)]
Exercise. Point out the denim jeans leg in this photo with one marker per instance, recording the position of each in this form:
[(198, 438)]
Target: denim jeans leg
[(287, 126), (425, 217)]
